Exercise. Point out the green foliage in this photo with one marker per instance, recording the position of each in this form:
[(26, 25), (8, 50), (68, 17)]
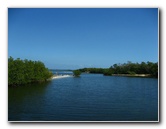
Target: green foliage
[(136, 68), (77, 73), (126, 68), (131, 72), (92, 70), (26, 71), (107, 72)]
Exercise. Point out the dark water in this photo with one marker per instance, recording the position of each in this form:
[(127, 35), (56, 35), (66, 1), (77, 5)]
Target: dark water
[(92, 97)]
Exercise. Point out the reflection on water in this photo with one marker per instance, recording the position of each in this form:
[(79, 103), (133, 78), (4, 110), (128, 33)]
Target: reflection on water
[(91, 97)]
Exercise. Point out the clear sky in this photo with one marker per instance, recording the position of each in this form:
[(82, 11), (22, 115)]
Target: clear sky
[(82, 37)]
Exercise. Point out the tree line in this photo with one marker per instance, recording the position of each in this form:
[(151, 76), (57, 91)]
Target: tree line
[(127, 68), (26, 71)]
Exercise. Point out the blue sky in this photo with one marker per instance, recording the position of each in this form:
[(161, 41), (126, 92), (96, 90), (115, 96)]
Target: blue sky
[(82, 37)]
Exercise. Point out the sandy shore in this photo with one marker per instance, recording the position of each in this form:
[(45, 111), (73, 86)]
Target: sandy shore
[(61, 76), (134, 75)]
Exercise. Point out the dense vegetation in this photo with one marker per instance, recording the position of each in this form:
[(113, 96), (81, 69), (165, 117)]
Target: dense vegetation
[(26, 71), (135, 68), (76, 73), (127, 68)]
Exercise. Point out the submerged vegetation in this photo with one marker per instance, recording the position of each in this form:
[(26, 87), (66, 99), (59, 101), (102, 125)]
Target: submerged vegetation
[(129, 68), (26, 71)]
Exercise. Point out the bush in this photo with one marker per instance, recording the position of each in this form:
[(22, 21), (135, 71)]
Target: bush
[(77, 73), (131, 72), (26, 71), (107, 72)]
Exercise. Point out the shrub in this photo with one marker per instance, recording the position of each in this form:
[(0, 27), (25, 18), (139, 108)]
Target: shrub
[(26, 71), (77, 73)]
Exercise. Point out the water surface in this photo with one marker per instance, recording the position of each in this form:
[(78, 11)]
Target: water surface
[(91, 97)]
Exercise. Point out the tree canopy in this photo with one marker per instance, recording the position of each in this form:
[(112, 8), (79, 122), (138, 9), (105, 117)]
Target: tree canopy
[(26, 71), (76, 73), (135, 68), (126, 68)]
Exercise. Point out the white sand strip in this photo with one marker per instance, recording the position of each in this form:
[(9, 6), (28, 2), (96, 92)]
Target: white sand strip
[(61, 76)]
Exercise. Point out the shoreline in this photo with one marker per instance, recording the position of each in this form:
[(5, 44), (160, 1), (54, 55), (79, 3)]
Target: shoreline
[(60, 76), (133, 75)]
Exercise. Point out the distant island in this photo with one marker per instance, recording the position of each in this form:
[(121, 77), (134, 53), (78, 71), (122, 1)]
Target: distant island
[(148, 69)]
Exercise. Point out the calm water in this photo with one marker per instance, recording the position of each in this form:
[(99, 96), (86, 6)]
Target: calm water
[(92, 97)]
